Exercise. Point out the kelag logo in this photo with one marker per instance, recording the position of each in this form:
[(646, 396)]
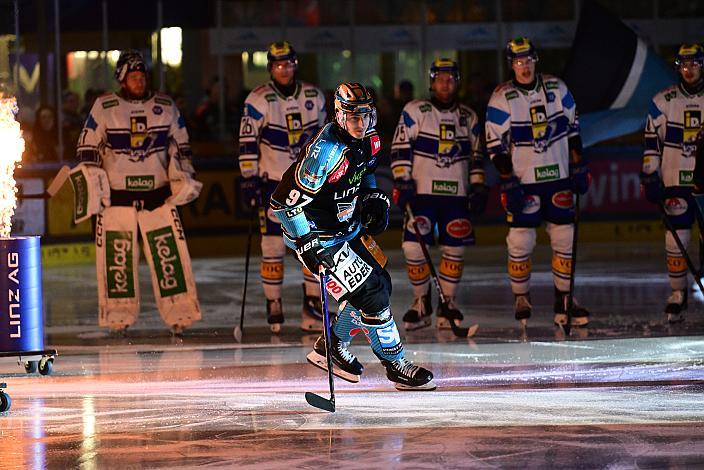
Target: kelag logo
[(547, 173), (167, 262), (119, 264)]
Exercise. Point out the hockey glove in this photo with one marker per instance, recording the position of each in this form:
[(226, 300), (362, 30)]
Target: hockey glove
[(651, 185), (512, 195), (251, 191), (478, 197), (375, 211), (404, 192), (580, 178), (312, 253)]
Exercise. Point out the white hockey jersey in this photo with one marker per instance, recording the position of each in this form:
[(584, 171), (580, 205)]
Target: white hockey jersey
[(274, 128), (674, 120), (437, 148), (533, 127), (134, 140)]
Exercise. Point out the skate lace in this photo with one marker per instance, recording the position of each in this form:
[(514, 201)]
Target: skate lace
[(345, 353), (406, 367)]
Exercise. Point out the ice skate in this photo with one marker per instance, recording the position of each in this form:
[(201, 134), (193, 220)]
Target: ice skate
[(311, 314), (118, 330), (345, 364), (522, 309), (419, 315), (448, 313), (580, 315), (274, 315), (676, 305), (408, 376)]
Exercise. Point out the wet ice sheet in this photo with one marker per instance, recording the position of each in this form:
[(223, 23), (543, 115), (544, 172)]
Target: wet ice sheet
[(596, 403)]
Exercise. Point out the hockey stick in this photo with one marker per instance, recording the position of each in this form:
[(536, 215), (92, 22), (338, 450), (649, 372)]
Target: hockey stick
[(573, 267), (313, 399), (53, 188), (680, 245), (459, 331), (237, 333)]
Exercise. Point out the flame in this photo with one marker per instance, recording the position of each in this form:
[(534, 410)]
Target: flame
[(11, 149)]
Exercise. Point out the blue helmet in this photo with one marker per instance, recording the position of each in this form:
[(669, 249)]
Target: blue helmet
[(520, 47), (129, 61), (444, 65), (353, 98), (282, 50), (690, 52)]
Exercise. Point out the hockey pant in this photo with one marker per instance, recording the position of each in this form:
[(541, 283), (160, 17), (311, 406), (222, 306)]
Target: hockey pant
[(363, 287), (272, 269), (117, 259), (521, 242)]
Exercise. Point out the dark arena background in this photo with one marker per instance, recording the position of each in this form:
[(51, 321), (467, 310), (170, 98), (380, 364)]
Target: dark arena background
[(624, 391)]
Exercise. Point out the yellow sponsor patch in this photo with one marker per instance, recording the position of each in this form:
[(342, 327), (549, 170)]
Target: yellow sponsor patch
[(418, 272), (451, 268), (272, 271), (519, 269), (562, 265), (375, 250), (676, 264)]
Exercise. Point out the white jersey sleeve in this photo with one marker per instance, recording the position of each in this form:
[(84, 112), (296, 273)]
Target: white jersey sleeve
[(673, 123), (274, 128), (404, 137)]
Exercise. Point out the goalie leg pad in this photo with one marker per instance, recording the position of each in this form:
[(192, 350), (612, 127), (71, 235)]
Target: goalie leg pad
[(520, 242), (676, 265), (272, 265), (170, 265), (117, 258), (561, 243)]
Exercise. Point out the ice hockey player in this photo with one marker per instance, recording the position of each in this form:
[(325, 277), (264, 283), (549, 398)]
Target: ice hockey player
[(135, 168), (674, 122), (278, 119), (532, 137), (329, 207), (437, 166)]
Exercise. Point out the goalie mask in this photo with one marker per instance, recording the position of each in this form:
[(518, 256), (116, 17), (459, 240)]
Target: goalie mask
[(129, 61)]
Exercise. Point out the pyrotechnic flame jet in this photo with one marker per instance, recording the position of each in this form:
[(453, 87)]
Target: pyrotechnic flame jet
[(11, 149)]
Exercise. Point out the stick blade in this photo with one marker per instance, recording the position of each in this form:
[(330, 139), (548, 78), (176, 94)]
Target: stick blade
[(320, 402), (58, 181)]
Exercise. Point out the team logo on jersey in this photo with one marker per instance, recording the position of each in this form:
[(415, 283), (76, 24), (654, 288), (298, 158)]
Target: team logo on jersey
[(346, 209), (531, 204), (459, 228), (686, 177), (157, 110), (294, 125), (675, 206), (309, 105), (138, 131), (447, 138), (445, 187), (562, 199), (547, 173), (692, 126), (538, 121), (340, 172)]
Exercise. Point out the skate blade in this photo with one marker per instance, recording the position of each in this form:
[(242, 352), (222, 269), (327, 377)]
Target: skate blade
[(417, 325), (321, 362), (275, 328), (423, 388), (444, 324)]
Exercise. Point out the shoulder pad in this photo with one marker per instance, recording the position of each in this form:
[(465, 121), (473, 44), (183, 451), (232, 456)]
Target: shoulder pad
[(666, 94), (109, 101), (309, 91), (551, 83)]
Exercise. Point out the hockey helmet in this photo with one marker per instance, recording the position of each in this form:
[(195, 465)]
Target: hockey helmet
[(282, 50), (353, 98), (520, 47), (129, 61), (690, 52), (444, 65)]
